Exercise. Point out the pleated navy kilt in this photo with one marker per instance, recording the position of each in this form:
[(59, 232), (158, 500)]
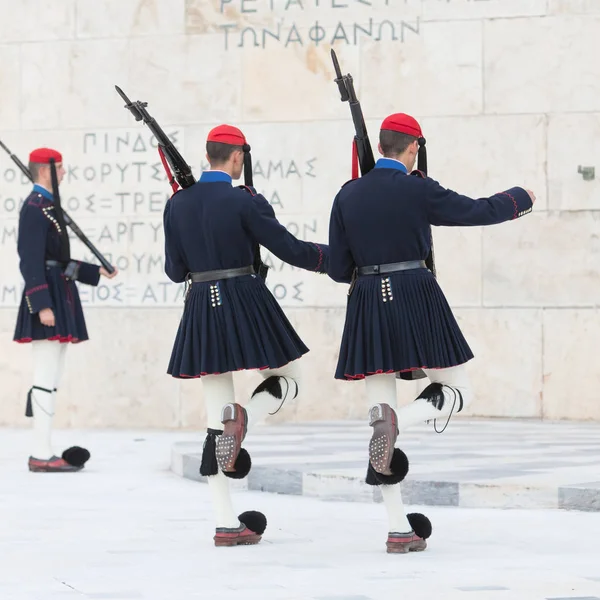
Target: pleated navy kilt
[(231, 325), (68, 314), (398, 323)]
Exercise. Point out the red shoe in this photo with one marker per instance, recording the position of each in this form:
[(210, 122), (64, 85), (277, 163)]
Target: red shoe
[(384, 422), (402, 543), (51, 465), (237, 536), (235, 420)]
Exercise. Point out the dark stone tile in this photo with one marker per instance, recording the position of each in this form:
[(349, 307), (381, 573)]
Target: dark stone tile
[(191, 467), (432, 493), (128, 595), (469, 475), (482, 588), (575, 598), (275, 480), (342, 598), (584, 499)]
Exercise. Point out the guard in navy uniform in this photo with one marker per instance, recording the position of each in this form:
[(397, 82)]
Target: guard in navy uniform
[(397, 317), (231, 321), (50, 314)]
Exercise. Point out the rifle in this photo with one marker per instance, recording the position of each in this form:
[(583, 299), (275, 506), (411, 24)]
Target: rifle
[(168, 153), (362, 146), (183, 176), (68, 220)]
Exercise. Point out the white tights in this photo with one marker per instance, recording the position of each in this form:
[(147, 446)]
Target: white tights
[(219, 391), (382, 389), (48, 365)]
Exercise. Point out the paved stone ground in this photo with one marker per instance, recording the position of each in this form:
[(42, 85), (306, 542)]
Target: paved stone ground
[(473, 463), (127, 528)]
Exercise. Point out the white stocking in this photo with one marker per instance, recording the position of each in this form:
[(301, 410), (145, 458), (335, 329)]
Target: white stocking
[(46, 361), (263, 404), (455, 383), (392, 498), (381, 389), (219, 391)]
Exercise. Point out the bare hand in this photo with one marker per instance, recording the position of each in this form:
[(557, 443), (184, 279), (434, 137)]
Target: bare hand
[(105, 273), (531, 195), (47, 317)]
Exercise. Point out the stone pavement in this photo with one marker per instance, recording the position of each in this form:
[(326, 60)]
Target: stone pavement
[(127, 528), (473, 463)]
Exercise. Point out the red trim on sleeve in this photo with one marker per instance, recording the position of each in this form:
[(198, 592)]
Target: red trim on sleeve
[(516, 213), (36, 289), (320, 262)]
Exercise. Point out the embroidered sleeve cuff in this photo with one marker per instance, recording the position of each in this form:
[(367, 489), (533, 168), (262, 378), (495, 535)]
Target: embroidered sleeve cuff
[(323, 257), (89, 274), (521, 201), (38, 298)]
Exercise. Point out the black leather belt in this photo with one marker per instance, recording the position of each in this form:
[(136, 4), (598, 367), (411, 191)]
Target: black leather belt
[(220, 274), (56, 263), (391, 267)]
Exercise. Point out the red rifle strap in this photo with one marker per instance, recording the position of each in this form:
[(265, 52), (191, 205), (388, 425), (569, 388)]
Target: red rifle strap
[(174, 185), (354, 160)]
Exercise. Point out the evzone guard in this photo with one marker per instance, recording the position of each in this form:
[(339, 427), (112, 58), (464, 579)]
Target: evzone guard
[(397, 317), (50, 314), (231, 321)]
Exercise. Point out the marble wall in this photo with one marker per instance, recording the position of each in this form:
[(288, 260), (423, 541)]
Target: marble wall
[(507, 91)]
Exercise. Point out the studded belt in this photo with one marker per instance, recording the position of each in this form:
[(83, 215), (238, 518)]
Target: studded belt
[(220, 274), (391, 267)]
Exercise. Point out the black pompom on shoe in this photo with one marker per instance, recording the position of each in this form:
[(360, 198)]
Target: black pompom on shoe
[(399, 467), (255, 521), (421, 525), (76, 456), (242, 466)]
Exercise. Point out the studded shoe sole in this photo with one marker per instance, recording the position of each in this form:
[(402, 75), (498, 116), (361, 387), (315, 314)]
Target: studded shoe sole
[(235, 421), (383, 420)]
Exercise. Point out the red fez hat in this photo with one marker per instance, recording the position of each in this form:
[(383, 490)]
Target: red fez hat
[(402, 123), (227, 134), (43, 155)]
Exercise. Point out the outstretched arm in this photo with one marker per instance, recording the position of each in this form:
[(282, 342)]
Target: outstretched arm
[(269, 232), (447, 208)]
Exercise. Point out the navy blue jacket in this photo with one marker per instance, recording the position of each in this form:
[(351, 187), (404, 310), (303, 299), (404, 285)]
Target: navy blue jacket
[(386, 217), (38, 241), (213, 225)]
